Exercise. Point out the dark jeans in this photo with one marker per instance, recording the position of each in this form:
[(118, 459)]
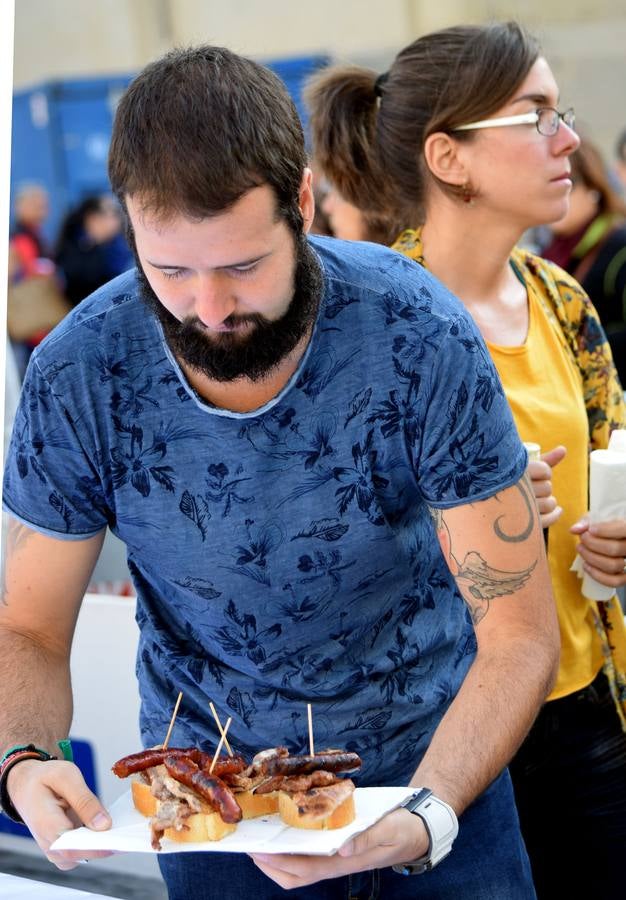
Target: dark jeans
[(488, 862), (570, 786)]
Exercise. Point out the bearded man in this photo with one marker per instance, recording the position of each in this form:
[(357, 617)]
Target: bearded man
[(306, 450)]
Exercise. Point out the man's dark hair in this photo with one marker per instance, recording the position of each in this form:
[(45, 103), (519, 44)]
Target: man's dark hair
[(620, 147), (200, 127)]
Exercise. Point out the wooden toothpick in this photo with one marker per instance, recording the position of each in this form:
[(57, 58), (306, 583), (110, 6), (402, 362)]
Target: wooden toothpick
[(172, 720), (311, 747), (219, 728), (219, 746)]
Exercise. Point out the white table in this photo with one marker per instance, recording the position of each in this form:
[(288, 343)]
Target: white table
[(14, 888)]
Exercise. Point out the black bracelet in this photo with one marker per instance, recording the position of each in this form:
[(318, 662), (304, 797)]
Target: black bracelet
[(28, 752)]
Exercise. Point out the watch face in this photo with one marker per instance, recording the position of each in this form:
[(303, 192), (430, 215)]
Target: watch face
[(417, 799)]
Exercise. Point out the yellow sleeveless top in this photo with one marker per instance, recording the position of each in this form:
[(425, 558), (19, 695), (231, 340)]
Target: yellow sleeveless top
[(562, 389)]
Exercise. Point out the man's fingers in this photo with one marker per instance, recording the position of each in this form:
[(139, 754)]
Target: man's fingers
[(60, 861), (52, 798), (71, 786)]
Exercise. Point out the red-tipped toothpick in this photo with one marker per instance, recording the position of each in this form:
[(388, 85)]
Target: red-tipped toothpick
[(219, 728), (219, 746), (311, 747), (172, 720)]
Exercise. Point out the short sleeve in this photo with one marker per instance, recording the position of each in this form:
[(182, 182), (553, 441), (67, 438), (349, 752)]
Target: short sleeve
[(469, 448), (50, 483)]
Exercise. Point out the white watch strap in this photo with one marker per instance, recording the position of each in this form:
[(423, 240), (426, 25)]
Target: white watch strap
[(442, 826)]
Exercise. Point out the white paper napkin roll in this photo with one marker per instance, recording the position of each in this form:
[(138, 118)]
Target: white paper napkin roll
[(533, 450), (607, 493)]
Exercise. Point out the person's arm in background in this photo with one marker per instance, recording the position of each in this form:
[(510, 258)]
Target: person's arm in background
[(602, 546), (495, 551), (43, 584)]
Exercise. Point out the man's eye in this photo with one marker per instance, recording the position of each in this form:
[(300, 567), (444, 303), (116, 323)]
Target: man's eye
[(172, 273), (244, 269)]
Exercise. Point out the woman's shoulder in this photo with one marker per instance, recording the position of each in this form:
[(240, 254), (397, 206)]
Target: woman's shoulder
[(409, 243), (564, 295)]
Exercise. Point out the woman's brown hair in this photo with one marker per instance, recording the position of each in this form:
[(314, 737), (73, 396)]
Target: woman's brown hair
[(369, 131)]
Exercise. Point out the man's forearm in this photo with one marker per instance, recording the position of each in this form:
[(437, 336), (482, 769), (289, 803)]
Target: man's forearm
[(488, 720), (36, 694), (42, 586)]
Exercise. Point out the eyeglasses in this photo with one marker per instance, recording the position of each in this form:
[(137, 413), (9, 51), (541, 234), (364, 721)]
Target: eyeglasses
[(546, 119)]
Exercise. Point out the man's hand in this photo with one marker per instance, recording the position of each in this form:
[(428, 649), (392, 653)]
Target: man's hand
[(540, 474), (602, 548), (399, 837), (52, 797)]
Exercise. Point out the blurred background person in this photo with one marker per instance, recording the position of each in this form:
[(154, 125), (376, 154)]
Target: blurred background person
[(462, 139), (34, 302), (349, 223), (589, 242), (31, 208), (90, 247)]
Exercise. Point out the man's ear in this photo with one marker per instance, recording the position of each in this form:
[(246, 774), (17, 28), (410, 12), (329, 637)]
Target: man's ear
[(441, 153), (306, 201)]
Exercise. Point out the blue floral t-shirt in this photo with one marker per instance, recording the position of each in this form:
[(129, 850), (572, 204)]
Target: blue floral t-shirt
[(287, 555)]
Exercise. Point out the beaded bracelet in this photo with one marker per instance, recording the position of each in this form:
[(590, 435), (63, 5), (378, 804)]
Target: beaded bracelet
[(11, 758)]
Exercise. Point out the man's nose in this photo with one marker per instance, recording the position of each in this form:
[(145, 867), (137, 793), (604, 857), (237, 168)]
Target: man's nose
[(214, 301)]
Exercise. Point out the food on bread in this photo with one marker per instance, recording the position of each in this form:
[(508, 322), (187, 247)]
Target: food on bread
[(174, 821), (319, 808), (185, 802), (311, 792), (254, 788), (253, 805)]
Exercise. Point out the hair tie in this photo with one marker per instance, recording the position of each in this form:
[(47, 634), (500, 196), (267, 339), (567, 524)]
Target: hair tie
[(378, 84)]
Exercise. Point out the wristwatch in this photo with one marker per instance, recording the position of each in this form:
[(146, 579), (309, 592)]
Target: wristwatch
[(442, 828)]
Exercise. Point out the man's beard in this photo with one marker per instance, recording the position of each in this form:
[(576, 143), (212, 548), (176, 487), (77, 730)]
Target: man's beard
[(225, 356)]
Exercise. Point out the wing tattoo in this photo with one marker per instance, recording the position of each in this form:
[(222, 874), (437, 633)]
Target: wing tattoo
[(485, 582)]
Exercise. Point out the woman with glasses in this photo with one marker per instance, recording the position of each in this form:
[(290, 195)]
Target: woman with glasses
[(463, 140)]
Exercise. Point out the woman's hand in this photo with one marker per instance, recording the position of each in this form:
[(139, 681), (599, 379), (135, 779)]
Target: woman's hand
[(399, 837), (540, 474), (52, 798), (602, 549)]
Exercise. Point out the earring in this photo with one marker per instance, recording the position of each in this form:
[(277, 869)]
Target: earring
[(467, 193)]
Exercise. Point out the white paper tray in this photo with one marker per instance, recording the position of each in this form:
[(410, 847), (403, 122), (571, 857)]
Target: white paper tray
[(131, 833)]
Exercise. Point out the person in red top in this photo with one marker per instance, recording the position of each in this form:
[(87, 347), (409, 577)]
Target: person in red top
[(31, 211), (28, 253)]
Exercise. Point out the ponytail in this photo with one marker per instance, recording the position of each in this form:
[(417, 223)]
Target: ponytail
[(349, 97)]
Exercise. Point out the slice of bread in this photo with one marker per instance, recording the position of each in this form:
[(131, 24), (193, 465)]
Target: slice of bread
[(144, 802), (254, 805), (297, 816), (202, 826), (207, 825)]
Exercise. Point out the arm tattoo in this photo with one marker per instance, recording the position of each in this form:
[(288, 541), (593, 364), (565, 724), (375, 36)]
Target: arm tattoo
[(523, 488), (15, 535), (478, 581)]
